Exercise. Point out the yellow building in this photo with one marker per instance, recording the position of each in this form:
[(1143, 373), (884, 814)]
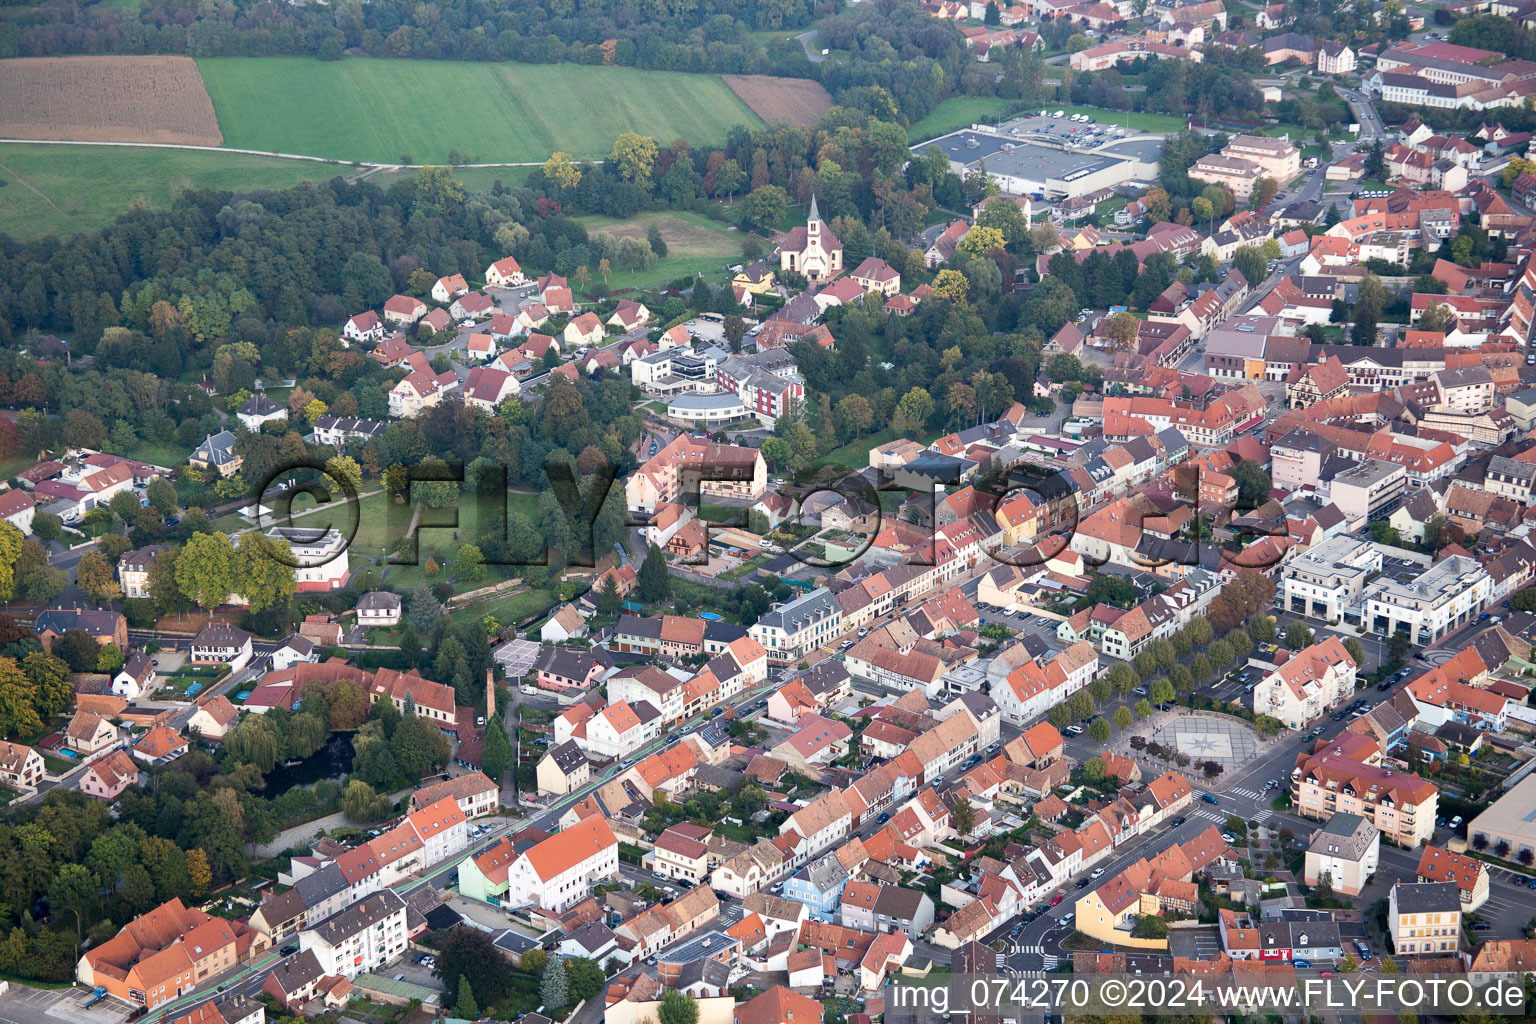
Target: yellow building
[(1424, 918), (756, 278)]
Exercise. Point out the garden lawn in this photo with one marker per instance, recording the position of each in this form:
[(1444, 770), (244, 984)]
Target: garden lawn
[(386, 110), (514, 609), (65, 189), (696, 244)]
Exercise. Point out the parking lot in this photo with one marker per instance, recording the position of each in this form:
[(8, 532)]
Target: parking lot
[(23, 1005), (1086, 133), (1195, 943)]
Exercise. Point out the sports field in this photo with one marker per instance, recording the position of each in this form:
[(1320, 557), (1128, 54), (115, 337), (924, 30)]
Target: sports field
[(383, 110), (65, 189)]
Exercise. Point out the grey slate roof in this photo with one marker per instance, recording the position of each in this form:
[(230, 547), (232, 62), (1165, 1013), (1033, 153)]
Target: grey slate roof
[(1427, 897)]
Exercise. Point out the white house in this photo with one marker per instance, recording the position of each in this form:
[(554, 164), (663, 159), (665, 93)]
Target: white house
[(378, 608), (563, 625), (621, 729), (260, 409), (504, 273), (136, 677), (561, 870), (360, 939), (214, 718), (487, 387), (18, 508), (364, 327), (218, 643), (446, 289), (585, 329), (1312, 681), (320, 562)]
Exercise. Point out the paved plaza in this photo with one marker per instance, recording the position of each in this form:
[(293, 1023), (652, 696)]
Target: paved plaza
[(1227, 741)]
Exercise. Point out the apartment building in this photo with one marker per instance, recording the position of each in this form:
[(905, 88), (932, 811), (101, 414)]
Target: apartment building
[(789, 632), (1327, 581), (1346, 851), (1424, 918), (1368, 492), (1400, 805), (161, 955), (475, 794), (1277, 158), (1312, 681), (692, 464), (619, 730), (360, 939), (1447, 596)]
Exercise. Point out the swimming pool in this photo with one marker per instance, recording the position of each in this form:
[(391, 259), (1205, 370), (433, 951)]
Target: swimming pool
[(242, 695), (192, 690)]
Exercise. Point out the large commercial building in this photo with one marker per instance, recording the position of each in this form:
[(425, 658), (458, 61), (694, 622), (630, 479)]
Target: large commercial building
[(1446, 597), (1024, 168), (1327, 581), (1509, 824)]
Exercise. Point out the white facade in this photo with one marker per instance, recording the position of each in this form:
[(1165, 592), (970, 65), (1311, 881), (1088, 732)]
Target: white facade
[(570, 878), (360, 939), (1446, 597), (322, 561)]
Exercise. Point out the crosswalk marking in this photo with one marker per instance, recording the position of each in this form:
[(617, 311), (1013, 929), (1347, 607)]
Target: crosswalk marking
[(1002, 961), (1263, 816), (1051, 961), (1210, 815), (1249, 793)]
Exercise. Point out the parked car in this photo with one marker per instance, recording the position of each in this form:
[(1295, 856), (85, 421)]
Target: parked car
[(1140, 691), (1303, 964), (1178, 821), (1229, 838), (1065, 919), (1097, 872)]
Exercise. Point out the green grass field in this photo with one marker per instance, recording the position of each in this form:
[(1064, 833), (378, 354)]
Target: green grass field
[(695, 245), (381, 110), (959, 112), (63, 189)]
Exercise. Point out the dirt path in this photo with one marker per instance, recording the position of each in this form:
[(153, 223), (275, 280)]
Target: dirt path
[(29, 186)]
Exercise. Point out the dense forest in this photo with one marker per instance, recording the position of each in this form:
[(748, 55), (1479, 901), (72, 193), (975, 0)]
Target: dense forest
[(691, 36)]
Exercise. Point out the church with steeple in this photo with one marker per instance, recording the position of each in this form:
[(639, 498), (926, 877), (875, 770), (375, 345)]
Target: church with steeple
[(812, 251)]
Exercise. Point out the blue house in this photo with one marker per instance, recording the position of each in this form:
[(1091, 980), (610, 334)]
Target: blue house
[(819, 885)]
